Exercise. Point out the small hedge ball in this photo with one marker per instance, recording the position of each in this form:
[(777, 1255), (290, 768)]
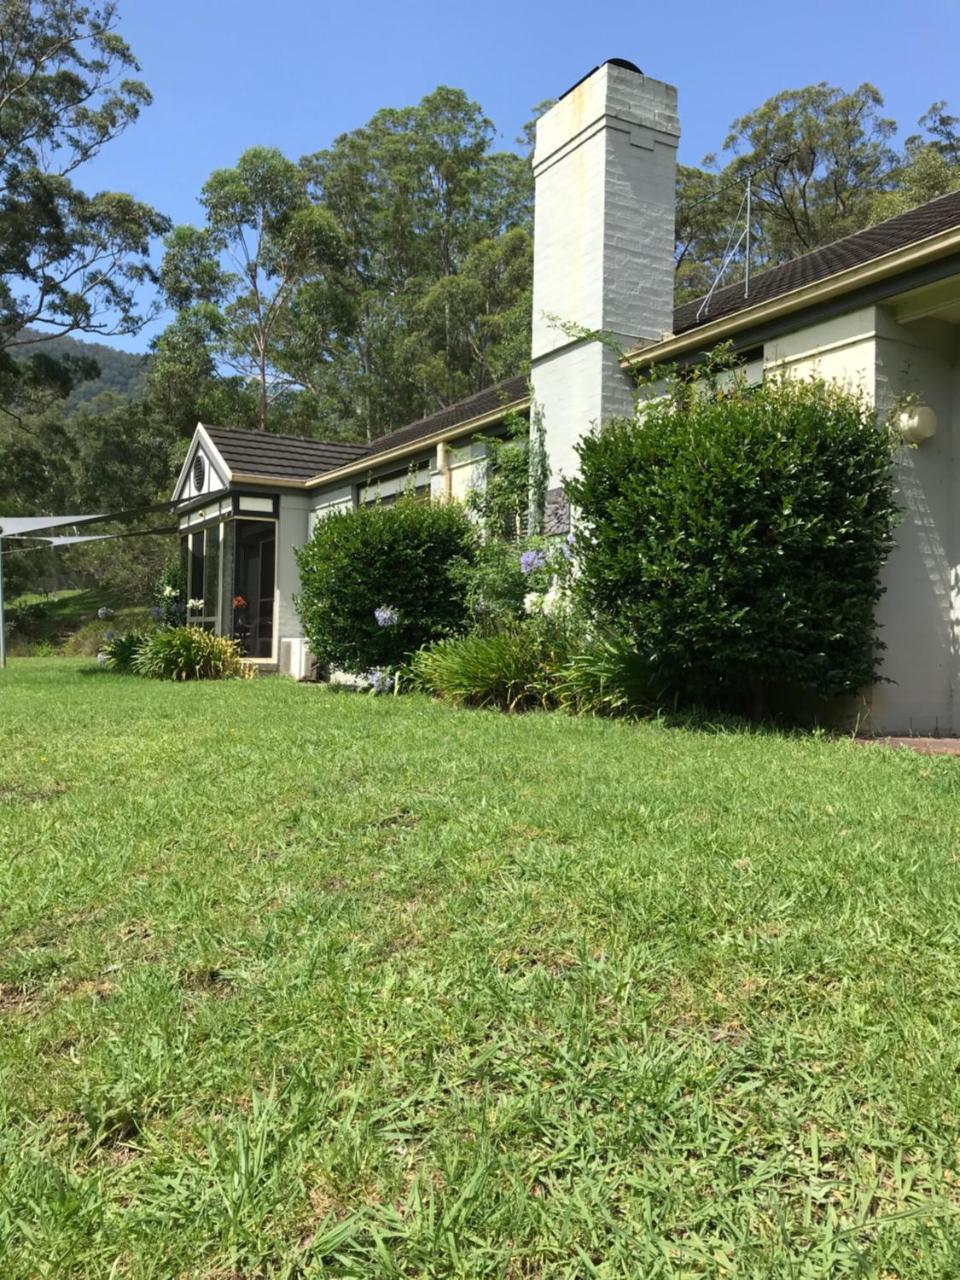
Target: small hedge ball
[(379, 582)]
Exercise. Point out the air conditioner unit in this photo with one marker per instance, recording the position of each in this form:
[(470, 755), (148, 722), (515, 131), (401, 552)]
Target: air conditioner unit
[(296, 660)]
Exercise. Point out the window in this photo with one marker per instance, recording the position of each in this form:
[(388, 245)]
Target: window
[(202, 557), (254, 576)]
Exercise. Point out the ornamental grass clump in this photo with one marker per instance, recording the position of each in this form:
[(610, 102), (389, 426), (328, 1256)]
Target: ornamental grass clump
[(379, 582), (120, 650), (504, 669), (187, 653), (735, 535)]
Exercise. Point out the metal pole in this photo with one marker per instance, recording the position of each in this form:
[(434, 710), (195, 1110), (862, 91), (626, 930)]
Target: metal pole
[(746, 279), (3, 621)]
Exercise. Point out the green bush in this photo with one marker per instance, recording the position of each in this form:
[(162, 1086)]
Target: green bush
[(503, 669), (123, 648), (87, 640), (736, 535), (187, 653), (379, 582), (608, 677), (540, 662), (29, 620)]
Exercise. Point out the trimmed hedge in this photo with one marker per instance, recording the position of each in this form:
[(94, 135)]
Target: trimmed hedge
[(379, 582), (736, 535)]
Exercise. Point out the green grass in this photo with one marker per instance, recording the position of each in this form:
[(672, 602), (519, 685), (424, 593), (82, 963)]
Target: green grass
[(302, 984)]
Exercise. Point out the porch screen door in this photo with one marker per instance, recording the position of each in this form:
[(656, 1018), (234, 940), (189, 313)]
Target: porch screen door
[(254, 579)]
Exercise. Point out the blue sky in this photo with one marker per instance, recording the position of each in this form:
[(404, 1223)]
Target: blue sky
[(229, 74)]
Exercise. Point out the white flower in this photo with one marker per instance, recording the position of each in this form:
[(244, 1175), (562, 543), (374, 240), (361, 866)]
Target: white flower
[(195, 606), (533, 602), (169, 592), (102, 658), (555, 601)]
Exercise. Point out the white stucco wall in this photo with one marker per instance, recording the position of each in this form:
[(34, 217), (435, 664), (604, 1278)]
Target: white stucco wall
[(920, 610), (292, 532)]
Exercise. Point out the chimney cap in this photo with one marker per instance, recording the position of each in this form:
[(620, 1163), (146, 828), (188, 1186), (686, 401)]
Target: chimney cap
[(611, 62)]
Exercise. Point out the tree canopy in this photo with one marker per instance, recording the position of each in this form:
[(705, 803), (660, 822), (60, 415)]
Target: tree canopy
[(70, 261)]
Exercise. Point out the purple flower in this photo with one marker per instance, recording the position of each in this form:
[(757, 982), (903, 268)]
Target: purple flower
[(386, 615), (156, 613), (531, 560), (108, 635), (380, 681)]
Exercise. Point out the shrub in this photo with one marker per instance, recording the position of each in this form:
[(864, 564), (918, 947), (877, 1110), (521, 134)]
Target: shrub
[(736, 535), (379, 582), (608, 677), (122, 649), (29, 620), (187, 653), (503, 669), (87, 640)]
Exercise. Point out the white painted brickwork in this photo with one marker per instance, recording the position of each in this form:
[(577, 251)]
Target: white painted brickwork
[(605, 171)]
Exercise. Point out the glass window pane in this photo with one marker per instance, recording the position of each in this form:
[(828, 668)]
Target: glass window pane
[(211, 573), (195, 586)]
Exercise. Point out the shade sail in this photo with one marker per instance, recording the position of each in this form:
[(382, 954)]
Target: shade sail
[(11, 526)]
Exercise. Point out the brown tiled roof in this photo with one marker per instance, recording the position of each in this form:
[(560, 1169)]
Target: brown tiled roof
[(483, 402), (261, 453), (292, 458), (852, 251)]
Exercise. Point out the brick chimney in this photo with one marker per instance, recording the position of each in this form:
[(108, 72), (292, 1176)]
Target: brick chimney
[(605, 172)]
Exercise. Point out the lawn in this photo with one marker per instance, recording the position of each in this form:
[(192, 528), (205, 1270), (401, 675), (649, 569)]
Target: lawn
[(297, 983)]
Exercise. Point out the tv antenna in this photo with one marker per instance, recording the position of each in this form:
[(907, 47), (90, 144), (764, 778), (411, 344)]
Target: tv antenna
[(745, 236), (732, 249)]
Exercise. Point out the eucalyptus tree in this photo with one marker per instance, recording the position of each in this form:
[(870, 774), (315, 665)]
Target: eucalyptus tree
[(415, 192), (70, 262), (236, 281)]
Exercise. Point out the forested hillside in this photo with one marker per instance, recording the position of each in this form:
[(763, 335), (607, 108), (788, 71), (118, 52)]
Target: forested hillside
[(123, 373)]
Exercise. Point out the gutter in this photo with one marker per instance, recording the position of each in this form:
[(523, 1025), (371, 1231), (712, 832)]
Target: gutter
[(889, 264)]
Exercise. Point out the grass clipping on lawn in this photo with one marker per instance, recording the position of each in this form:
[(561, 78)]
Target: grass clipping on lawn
[(296, 983)]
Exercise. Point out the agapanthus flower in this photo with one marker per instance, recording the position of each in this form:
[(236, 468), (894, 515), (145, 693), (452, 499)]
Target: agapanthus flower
[(103, 613), (195, 605), (156, 613), (533, 602), (380, 681), (169, 592), (102, 658), (531, 560), (386, 615)]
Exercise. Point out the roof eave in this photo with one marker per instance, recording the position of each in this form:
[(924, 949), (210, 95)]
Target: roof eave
[(888, 264)]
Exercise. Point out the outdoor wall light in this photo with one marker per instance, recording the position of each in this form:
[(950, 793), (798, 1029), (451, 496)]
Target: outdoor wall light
[(918, 423)]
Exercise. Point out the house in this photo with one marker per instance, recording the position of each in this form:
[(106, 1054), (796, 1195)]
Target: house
[(878, 310)]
